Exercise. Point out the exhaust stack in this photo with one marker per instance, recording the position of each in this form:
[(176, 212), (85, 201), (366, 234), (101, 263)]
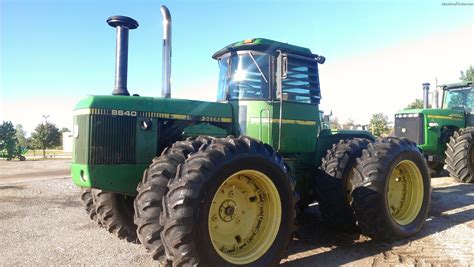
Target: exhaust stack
[(435, 99), (123, 25), (166, 73), (426, 90)]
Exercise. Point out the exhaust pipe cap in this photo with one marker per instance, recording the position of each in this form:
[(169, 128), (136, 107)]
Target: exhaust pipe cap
[(123, 21)]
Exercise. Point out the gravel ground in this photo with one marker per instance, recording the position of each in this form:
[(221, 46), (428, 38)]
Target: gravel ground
[(42, 222)]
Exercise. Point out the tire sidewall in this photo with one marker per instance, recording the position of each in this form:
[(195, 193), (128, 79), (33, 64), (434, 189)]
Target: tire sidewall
[(240, 162), (415, 225)]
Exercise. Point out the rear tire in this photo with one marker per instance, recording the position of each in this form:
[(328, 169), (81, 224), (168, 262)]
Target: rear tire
[(334, 187), (391, 195), (460, 155), (151, 189), (231, 204), (115, 211)]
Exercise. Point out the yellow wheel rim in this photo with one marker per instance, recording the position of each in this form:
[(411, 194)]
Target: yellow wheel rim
[(405, 192), (244, 217)]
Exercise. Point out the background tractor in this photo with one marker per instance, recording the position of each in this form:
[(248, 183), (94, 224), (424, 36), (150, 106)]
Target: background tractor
[(220, 183), (445, 135), (10, 151)]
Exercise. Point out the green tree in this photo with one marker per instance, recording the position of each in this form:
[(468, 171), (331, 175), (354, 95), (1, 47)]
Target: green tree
[(379, 124), (8, 139), (21, 136), (418, 103), (46, 135), (468, 75)]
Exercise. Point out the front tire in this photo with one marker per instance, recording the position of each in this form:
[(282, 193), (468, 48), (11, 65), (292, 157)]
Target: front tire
[(115, 212), (151, 189), (391, 195), (460, 155), (87, 200), (231, 204)]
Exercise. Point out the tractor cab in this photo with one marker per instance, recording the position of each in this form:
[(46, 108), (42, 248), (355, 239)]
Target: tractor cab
[(460, 97), (274, 90), (254, 68)]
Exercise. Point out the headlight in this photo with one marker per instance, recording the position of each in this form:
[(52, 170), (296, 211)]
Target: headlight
[(407, 115)]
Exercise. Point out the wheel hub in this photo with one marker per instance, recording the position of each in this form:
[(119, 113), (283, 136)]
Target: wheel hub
[(227, 210)]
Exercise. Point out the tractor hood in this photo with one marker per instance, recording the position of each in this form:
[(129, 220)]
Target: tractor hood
[(155, 107), (433, 114), (116, 137)]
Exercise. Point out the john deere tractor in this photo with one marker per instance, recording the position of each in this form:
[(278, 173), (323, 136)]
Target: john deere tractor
[(220, 183), (446, 134)]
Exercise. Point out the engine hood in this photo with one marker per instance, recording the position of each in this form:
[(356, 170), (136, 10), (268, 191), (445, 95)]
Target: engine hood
[(155, 107)]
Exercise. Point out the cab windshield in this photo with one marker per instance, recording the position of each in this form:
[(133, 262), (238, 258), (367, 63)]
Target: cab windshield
[(244, 75), (459, 98)]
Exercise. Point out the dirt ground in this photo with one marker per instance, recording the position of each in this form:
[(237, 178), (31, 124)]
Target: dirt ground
[(42, 222)]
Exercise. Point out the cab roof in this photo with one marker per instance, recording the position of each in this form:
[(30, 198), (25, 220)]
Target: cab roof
[(263, 45), (457, 85)]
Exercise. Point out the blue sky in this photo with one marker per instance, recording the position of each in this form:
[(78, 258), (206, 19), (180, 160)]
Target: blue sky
[(55, 52)]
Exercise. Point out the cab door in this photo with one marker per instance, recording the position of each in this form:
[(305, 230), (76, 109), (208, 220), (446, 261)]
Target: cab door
[(296, 109)]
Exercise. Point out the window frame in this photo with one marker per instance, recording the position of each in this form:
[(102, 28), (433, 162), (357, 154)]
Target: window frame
[(269, 76)]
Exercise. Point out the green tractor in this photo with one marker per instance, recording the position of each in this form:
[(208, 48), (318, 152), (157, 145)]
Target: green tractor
[(446, 134), (220, 183), (10, 151)]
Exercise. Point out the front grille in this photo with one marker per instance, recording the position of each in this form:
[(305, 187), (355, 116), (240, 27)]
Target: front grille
[(112, 139), (81, 139), (410, 128)]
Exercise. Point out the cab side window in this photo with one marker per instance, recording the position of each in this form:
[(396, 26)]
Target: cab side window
[(302, 82)]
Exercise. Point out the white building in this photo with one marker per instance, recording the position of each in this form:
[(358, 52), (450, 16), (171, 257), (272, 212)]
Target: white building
[(67, 141)]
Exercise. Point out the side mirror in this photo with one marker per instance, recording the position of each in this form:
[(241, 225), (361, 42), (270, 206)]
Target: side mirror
[(320, 59)]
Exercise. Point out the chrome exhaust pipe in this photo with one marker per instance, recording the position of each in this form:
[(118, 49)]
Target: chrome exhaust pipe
[(166, 72), (435, 99)]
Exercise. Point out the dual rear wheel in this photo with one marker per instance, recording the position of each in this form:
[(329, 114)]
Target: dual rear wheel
[(387, 189)]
